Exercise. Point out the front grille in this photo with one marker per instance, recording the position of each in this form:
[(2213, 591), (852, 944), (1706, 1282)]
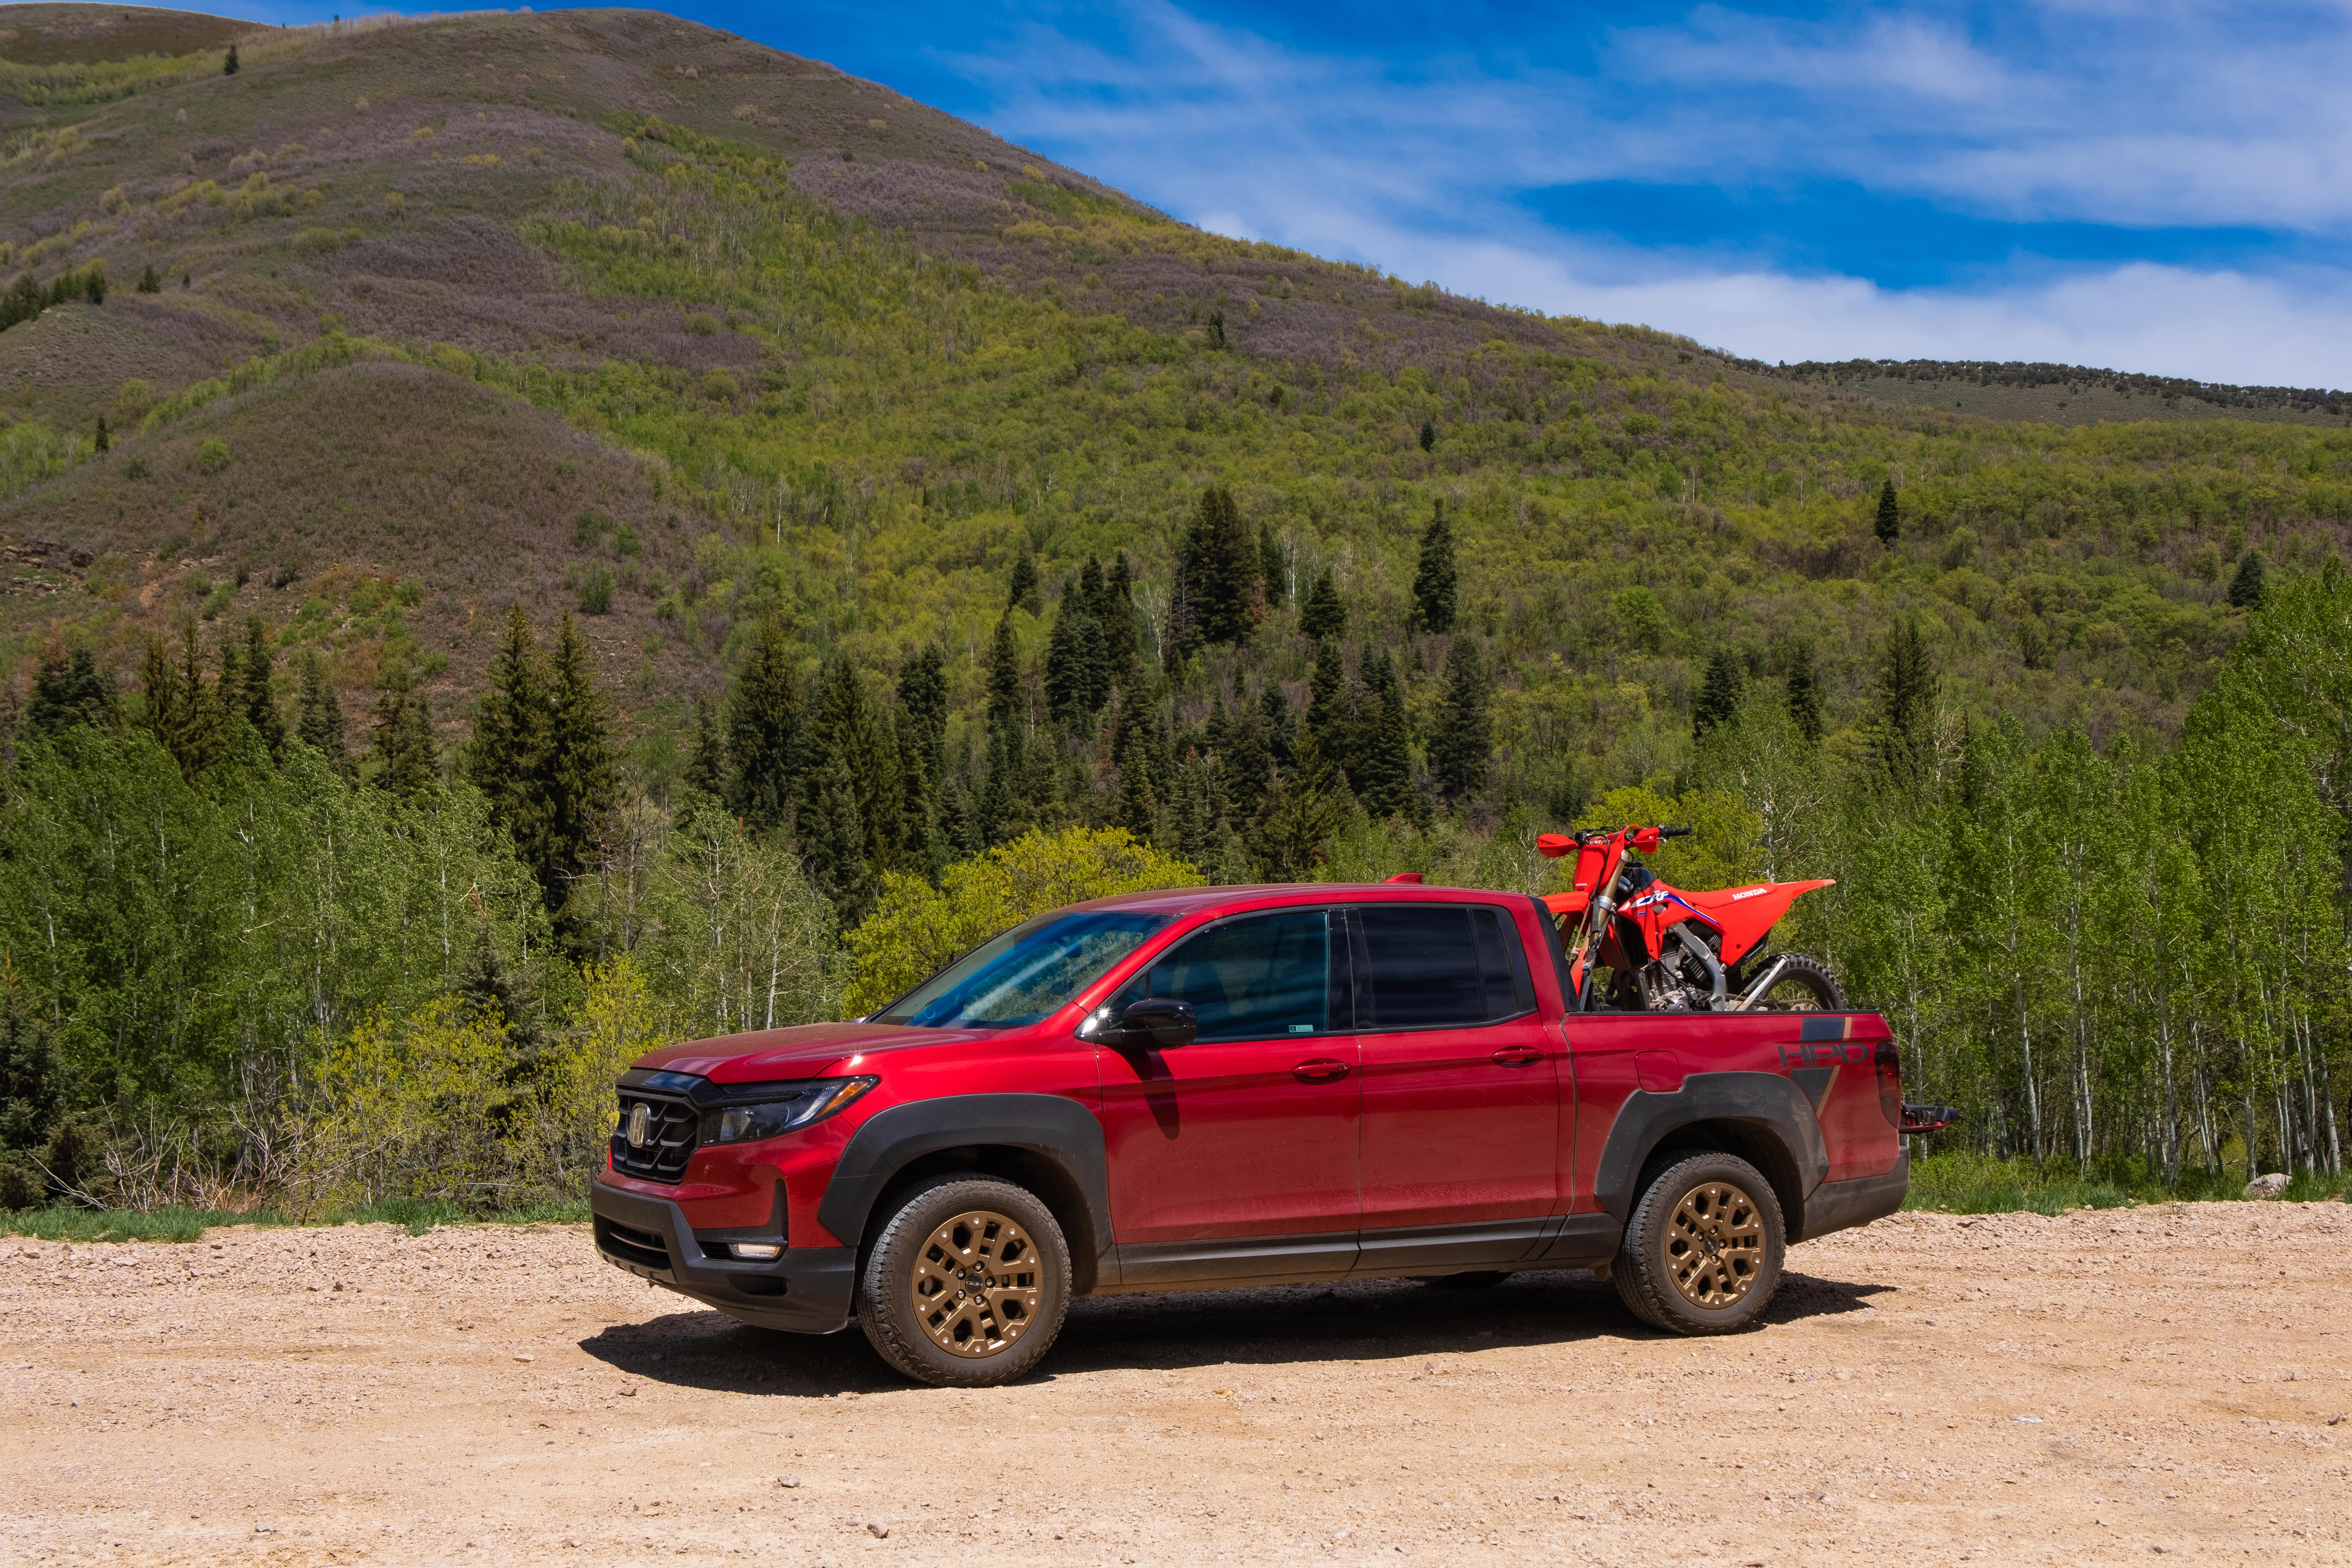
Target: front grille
[(671, 1129), (634, 1246)]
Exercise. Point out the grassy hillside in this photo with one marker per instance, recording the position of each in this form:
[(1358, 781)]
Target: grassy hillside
[(828, 353), (2071, 393)]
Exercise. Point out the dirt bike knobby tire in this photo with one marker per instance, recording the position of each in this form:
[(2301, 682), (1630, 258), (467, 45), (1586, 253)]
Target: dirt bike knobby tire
[(1814, 976)]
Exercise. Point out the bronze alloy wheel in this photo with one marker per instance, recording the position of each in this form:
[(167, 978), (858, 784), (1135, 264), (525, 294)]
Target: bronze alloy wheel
[(1715, 1245), (976, 1284)]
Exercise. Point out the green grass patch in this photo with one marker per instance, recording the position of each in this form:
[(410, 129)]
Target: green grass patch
[(191, 1224), (1961, 1183)]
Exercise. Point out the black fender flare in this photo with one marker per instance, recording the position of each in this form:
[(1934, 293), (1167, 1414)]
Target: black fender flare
[(1060, 1131), (1763, 1105)]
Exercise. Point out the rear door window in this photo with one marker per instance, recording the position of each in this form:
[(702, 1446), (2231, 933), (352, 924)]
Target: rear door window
[(1440, 966)]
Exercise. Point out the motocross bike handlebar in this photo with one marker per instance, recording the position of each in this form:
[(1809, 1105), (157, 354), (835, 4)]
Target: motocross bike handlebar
[(1584, 835)]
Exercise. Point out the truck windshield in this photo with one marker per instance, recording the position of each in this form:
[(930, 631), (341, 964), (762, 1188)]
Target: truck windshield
[(1025, 973)]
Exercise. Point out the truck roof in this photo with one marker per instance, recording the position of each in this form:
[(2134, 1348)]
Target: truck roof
[(1184, 900)]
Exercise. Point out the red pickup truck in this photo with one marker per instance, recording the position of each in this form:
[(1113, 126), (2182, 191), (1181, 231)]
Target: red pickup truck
[(1242, 1086)]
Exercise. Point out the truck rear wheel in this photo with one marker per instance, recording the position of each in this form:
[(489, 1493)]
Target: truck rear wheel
[(1703, 1247), (967, 1284)]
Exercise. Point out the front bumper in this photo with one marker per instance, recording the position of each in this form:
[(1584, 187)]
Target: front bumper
[(807, 1291)]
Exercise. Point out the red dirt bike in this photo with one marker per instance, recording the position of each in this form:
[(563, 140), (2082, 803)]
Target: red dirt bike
[(1666, 950)]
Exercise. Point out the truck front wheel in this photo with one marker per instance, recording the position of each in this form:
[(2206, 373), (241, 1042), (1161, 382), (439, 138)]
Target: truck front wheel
[(968, 1283), (1703, 1247)]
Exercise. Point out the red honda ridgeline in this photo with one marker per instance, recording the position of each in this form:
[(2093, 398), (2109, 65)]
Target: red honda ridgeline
[(1241, 1086)]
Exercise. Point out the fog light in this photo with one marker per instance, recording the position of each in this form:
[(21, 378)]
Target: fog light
[(759, 1251)]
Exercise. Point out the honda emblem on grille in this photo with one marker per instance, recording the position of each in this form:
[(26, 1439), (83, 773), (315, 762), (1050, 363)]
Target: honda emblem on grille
[(640, 1118)]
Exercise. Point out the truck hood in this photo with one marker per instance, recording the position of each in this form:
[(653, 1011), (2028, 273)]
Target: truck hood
[(807, 1050)]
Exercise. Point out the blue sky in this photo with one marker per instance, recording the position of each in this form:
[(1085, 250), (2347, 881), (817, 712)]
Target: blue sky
[(2160, 187)]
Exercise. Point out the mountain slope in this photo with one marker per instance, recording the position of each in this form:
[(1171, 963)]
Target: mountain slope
[(835, 357)]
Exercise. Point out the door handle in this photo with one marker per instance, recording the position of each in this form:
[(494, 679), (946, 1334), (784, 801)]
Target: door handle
[(1321, 1070), (1518, 1056)]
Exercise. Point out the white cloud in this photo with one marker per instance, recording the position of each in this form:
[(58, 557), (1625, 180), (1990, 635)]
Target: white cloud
[(2213, 326), (2190, 114)]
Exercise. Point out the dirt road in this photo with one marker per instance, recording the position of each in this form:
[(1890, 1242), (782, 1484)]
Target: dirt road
[(2103, 1386)]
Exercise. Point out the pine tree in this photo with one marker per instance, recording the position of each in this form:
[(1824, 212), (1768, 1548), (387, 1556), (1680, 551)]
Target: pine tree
[(1274, 722), (1003, 810), (101, 440), (846, 727), (1219, 571), (492, 991), (183, 711), (1718, 694), (149, 283), (1138, 808), (1323, 615), (1890, 520), (1184, 637), (1238, 741), (1802, 686), (1005, 807), (320, 724), (1330, 719), (919, 849), (67, 690), (42, 1142), (763, 720), (923, 698), (1436, 584), (706, 761), (1273, 567), (407, 763), (922, 725), (1382, 770), (228, 66), (1193, 816), (1077, 665), (833, 840), (1429, 435), (256, 698), (1024, 593), (1462, 748), (1122, 626), (507, 757), (159, 708), (2248, 588), (1905, 738), (1296, 821), (1008, 699), (578, 779), (960, 830)]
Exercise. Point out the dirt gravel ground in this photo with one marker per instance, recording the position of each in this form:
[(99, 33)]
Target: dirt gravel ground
[(2097, 1387)]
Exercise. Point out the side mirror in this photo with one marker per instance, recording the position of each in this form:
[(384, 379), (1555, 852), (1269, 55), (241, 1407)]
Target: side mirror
[(1150, 1023)]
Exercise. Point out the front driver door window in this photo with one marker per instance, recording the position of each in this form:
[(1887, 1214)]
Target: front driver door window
[(1251, 1129)]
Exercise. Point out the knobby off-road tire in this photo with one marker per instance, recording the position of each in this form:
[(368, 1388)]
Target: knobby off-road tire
[(1805, 984), (1703, 1247), (967, 1284)]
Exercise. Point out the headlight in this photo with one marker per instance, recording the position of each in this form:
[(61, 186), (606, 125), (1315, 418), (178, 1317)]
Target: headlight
[(782, 1107)]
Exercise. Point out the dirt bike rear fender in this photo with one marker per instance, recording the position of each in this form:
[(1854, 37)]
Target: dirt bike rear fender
[(1745, 914)]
